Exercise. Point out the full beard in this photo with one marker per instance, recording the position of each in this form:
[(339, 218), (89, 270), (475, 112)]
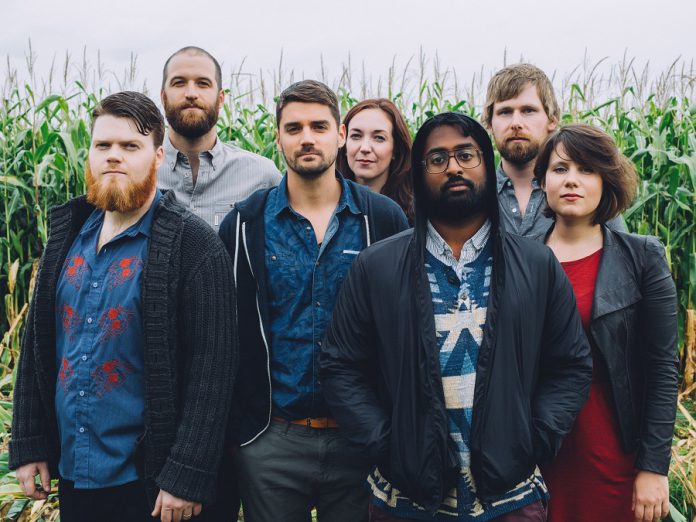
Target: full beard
[(456, 207), (191, 125), (108, 195), (518, 153), (310, 171)]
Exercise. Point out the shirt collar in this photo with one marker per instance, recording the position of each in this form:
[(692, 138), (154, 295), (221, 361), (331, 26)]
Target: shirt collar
[(346, 201), (143, 225), (171, 153), (501, 177), (503, 180), (436, 245)]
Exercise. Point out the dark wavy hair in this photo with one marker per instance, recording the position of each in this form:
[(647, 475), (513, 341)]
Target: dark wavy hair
[(398, 186), (138, 108), (595, 150)]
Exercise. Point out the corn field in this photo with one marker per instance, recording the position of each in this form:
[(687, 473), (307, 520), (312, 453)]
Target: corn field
[(44, 138)]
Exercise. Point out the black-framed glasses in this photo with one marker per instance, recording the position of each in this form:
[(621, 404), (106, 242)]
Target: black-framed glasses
[(437, 162)]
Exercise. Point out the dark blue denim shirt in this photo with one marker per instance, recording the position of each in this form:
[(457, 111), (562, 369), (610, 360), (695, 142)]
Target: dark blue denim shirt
[(99, 350), (303, 281)]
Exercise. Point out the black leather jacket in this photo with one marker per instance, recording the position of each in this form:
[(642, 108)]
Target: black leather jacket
[(380, 367), (634, 327)]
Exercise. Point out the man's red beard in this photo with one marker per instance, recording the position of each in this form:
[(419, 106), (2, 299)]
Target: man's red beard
[(107, 194)]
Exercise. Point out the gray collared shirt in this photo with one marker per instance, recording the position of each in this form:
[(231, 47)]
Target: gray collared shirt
[(533, 223), (226, 175), (439, 248)]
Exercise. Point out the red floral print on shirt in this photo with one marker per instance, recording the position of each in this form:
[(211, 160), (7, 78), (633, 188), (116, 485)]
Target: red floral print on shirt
[(111, 375), (124, 270), (75, 267), (114, 322), (71, 318), (65, 374)]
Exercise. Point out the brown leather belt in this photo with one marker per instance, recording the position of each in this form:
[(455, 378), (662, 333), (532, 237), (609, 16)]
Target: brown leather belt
[(320, 422)]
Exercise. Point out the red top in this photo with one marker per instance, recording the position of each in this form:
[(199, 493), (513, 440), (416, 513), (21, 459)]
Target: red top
[(591, 478)]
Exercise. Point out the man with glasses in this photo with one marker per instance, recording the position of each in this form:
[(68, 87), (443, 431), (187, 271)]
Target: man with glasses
[(455, 358)]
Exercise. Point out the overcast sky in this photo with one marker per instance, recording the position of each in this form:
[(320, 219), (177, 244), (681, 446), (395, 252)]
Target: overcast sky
[(467, 35)]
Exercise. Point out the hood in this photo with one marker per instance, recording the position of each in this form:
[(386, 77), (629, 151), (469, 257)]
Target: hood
[(469, 127)]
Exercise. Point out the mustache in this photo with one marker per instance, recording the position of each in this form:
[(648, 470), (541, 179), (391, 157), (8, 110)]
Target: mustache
[(457, 180), (190, 105), (307, 149), (518, 137)]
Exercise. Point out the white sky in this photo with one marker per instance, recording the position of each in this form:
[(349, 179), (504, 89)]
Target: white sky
[(466, 34)]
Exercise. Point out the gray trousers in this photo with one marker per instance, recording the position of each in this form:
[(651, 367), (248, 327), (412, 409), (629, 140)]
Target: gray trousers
[(290, 469)]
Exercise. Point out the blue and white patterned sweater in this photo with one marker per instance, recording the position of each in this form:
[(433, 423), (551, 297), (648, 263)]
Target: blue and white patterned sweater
[(460, 290)]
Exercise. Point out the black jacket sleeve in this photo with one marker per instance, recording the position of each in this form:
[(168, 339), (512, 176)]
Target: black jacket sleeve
[(29, 442), (208, 327), (347, 359), (565, 367), (657, 321)]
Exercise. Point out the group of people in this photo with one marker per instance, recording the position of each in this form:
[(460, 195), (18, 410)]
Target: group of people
[(392, 330)]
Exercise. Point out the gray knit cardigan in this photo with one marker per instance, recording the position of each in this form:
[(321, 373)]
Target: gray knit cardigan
[(190, 354)]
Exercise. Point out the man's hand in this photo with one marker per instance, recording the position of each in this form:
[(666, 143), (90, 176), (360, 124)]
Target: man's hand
[(172, 509), (26, 476), (650, 496)]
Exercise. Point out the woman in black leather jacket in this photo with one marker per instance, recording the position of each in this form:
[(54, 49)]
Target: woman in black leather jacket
[(613, 465)]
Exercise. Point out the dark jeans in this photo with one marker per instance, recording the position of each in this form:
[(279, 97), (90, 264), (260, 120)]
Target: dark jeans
[(128, 503), (118, 504), (290, 469), (535, 512)]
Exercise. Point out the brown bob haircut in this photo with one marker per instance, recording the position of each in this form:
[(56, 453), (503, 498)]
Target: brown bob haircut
[(308, 91), (398, 186), (597, 152), (509, 82)]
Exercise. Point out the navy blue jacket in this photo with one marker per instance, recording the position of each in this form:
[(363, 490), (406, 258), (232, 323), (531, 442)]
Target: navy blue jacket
[(242, 232)]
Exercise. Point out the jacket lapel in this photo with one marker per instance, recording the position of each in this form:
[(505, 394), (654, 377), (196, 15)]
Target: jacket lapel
[(616, 288)]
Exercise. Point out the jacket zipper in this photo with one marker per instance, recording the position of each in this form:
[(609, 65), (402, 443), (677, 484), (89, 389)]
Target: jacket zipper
[(263, 336)]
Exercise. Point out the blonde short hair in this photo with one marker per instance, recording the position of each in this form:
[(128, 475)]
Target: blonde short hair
[(509, 82)]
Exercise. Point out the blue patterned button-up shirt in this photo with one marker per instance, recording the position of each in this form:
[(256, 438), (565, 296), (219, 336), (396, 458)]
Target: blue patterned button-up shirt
[(99, 352), (303, 281)]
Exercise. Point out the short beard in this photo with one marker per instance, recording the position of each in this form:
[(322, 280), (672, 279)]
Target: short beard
[(191, 126), (519, 153), (457, 207), (107, 195), (312, 172)]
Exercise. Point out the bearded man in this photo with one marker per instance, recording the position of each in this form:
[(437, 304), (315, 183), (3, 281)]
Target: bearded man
[(292, 247), (128, 359), (207, 175), (455, 359), (521, 111)]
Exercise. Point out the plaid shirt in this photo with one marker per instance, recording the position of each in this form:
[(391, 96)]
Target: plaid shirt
[(226, 175)]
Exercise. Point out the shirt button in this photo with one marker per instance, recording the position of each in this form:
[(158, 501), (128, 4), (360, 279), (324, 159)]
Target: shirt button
[(82, 393), (309, 228), (452, 280), (318, 343), (514, 210), (273, 258), (89, 320), (95, 284), (318, 303), (84, 357), (82, 430)]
